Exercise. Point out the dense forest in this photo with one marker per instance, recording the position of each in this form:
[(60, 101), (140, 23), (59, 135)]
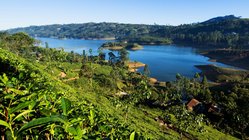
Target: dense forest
[(89, 30), (226, 32), (47, 93)]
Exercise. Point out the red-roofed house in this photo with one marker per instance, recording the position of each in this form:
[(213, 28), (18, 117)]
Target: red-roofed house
[(192, 104)]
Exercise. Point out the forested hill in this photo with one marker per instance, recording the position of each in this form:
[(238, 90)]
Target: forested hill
[(227, 31), (89, 30), (47, 93)]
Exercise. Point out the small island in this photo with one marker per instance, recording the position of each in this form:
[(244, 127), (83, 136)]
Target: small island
[(115, 46)]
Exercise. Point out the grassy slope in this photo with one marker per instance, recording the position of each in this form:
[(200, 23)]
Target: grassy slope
[(135, 116)]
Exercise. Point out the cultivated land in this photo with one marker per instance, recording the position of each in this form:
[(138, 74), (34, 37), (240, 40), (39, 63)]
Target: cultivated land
[(47, 93)]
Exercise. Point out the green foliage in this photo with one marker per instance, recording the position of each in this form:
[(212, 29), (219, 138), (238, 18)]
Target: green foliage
[(123, 54), (136, 136), (32, 104), (236, 108), (120, 45), (146, 70), (113, 44), (66, 105), (88, 30), (219, 74), (39, 122), (148, 40), (226, 32), (36, 104), (184, 120)]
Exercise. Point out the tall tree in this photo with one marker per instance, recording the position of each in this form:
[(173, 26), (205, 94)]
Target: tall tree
[(123, 54)]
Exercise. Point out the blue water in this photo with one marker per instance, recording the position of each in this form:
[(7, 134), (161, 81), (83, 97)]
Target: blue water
[(164, 61)]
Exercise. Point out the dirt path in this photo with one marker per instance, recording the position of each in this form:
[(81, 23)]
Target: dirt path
[(71, 79)]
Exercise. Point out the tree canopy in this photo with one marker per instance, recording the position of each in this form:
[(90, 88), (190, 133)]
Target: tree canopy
[(228, 31)]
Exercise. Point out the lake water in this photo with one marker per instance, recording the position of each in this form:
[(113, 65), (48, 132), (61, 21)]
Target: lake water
[(164, 61)]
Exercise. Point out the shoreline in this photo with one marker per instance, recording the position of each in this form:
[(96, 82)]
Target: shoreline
[(215, 58), (221, 74), (133, 67)]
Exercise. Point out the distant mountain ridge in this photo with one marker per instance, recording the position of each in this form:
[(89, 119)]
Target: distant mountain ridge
[(87, 30), (222, 18), (227, 31)]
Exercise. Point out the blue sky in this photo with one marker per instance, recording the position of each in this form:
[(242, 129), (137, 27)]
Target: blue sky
[(20, 13)]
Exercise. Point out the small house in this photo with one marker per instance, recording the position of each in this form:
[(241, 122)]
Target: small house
[(214, 109), (193, 103)]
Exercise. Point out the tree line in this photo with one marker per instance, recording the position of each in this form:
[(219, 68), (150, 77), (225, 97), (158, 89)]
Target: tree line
[(229, 32)]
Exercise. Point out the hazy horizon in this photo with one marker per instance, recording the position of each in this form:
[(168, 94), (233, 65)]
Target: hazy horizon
[(44, 12)]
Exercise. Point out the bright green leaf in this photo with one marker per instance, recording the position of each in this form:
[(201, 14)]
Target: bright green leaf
[(66, 105), (41, 121), (21, 114), (132, 136), (20, 107), (91, 117), (3, 123)]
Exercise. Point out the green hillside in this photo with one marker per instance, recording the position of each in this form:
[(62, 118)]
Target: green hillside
[(226, 32), (51, 94)]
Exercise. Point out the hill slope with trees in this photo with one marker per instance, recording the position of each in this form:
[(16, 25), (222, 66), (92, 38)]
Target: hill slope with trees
[(228, 31), (47, 93)]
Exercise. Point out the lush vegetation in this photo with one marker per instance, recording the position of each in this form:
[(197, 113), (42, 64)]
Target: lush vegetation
[(228, 32), (234, 57), (218, 74), (48, 93), (36, 105), (147, 39), (121, 45), (88, 30)]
